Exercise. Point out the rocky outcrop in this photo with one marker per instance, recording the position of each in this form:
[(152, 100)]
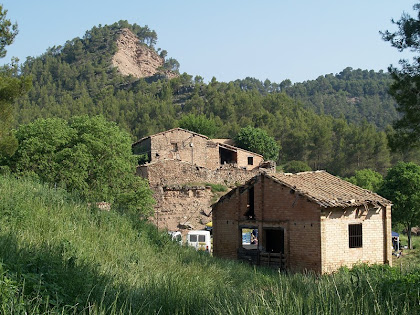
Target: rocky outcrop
[(137, 59)]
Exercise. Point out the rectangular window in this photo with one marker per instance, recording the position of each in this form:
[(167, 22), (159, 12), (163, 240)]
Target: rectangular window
[(193, 238), (355, 235), (201, 238), (250, 204), (174, 147), (250, 160)]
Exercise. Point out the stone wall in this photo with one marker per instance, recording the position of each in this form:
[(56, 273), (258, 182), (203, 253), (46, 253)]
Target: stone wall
[(242, 159), (178, 144), (182, 208), (175, 172)]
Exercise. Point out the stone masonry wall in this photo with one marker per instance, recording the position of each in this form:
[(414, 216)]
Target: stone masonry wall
[(185, 146), (174, 172), (182, 208)]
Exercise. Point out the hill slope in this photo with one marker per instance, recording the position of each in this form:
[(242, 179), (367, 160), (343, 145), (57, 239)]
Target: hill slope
[(79, 78), (60, 257)]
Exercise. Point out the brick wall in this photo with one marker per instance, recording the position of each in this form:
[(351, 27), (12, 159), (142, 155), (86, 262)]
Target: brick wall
[(335, 237), (314, 238), (275, 207)]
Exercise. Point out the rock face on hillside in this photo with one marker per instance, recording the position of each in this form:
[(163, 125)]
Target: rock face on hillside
[(136, 58)]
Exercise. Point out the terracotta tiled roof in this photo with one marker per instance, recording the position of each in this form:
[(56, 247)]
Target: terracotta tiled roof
[(320, 187), (328, 190)]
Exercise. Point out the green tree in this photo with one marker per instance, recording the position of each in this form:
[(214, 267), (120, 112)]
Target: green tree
[(402, 187), (200, 124), (257, 140), (406, 86), (11, 87), (88, 155), (367, 178), (296, 167)]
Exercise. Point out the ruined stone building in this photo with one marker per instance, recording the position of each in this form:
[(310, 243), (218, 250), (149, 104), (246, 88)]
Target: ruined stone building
[(178, 163), (187, 146), (305, 221)]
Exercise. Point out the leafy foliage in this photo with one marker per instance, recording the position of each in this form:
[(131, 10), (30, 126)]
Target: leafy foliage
[(78, 79), (368, 179), (200, 124), (296, 167), (11, 87), (402, 187), (406, 86), (88, 155), (354, 94), (257, 140)]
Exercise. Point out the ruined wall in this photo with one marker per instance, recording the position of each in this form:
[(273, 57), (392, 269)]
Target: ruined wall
[(243, 159), (182, 208), (274, 207), (314, 238), (185, 146), (174, 172), (376, 237)]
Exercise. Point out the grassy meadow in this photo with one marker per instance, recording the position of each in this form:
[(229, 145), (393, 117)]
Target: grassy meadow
[(59, 256)]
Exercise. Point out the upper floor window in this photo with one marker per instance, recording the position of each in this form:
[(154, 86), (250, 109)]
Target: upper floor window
[(174, 147), (250, 160)]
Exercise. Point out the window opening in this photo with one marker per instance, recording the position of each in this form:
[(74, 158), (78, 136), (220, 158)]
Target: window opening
[(201, 238), (227, 156), (175, 147), (193, 237), (250, 204), (355, 235), (274, 240), (250, 160), (249, 238)]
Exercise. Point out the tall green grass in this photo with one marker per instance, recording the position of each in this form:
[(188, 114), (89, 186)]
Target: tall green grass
[(58, 256)]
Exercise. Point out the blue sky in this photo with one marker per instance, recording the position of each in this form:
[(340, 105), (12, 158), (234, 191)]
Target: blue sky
[(283, 39)]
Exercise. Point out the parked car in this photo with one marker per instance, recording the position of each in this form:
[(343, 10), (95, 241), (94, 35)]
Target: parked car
[(200, 240), (176, 236)]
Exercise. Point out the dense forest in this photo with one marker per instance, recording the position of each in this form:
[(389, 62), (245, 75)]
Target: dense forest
[(355, 95), (336, 122)]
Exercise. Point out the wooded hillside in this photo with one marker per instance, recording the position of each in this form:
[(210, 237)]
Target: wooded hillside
[(328, 123)]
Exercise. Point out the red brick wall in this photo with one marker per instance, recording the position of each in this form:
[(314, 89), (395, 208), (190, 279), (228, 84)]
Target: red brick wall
[(275, 207), (315, 238)]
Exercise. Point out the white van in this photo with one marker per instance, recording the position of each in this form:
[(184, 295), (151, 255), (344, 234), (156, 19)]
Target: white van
[(200, 240)]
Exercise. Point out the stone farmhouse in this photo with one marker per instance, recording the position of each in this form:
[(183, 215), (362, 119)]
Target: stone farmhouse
[(304, 221), (178, 162), (184, 145)]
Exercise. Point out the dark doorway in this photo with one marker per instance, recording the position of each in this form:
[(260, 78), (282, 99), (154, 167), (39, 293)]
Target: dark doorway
[(227, 156), (274, 240)]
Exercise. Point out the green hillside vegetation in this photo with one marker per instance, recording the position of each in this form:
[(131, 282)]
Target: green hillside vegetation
[(60, 256), (77, 78), (356, 95)]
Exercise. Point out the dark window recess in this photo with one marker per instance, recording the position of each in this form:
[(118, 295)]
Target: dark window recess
[(175, 147), (250, 160), (355, 235), (250, 206), (274, 241)]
